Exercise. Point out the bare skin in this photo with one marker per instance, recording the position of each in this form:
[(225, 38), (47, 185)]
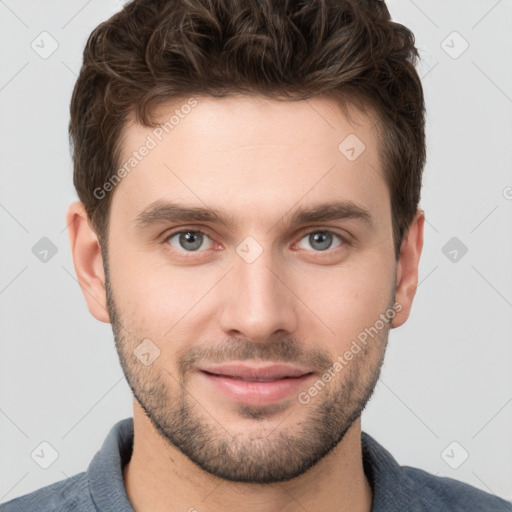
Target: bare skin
[(258, 161)]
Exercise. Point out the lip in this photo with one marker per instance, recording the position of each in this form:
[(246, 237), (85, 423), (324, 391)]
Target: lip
[(255, 385), (247, 372)]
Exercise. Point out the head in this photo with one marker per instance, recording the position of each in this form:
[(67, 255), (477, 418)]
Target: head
[(249, 176)]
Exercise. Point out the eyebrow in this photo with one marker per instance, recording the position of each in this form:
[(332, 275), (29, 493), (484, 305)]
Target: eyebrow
[(162, 211)]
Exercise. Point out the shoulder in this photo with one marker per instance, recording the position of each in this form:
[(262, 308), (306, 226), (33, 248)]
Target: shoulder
[(406, 488), (69, 494), (444, 493)]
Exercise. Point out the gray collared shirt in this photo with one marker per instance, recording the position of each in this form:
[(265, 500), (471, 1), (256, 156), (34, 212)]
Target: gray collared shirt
[(395, 488)]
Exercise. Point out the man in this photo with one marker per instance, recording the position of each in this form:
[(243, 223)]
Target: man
[(249, 177)]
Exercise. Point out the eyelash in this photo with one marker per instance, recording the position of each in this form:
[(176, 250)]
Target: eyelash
[(343, 239)]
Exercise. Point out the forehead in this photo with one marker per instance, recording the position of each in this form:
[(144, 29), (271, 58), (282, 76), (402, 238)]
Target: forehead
[(249, 153)]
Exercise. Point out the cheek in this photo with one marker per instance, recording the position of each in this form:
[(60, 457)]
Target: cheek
[(153, 296), (164, 302), (348, 299)]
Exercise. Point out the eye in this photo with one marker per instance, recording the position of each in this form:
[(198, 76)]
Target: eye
[(321, 240), (189, 240)]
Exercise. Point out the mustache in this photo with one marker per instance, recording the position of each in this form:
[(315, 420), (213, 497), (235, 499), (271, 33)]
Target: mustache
[(282, 350)]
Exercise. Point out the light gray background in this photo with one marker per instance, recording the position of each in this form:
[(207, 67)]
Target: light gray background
[(447, 373)]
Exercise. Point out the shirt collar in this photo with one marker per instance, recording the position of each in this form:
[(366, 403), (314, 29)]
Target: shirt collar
[(391, 489), (105, 472)]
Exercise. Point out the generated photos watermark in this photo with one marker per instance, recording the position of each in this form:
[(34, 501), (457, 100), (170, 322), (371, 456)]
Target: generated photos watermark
[(305, 397), (151, 142)]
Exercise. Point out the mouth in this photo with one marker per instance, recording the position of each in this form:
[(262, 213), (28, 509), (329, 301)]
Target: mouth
[(256, 385)]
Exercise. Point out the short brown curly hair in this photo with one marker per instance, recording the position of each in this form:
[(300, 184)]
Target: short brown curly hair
[(153, 51)]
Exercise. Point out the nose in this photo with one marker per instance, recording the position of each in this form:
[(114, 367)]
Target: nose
[(259, 300)]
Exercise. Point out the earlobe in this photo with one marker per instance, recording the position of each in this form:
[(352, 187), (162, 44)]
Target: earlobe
[(407, 269), (88, 261)]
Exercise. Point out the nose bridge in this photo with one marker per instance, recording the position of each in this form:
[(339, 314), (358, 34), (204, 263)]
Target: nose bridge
[(258, 303)]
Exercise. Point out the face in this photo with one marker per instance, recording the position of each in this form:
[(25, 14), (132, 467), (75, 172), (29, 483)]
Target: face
[(248, 257)]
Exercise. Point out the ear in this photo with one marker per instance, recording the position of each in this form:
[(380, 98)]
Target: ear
[(407, 269), (88, 261)]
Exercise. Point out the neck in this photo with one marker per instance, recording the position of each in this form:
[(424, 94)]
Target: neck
[(160, 478)]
